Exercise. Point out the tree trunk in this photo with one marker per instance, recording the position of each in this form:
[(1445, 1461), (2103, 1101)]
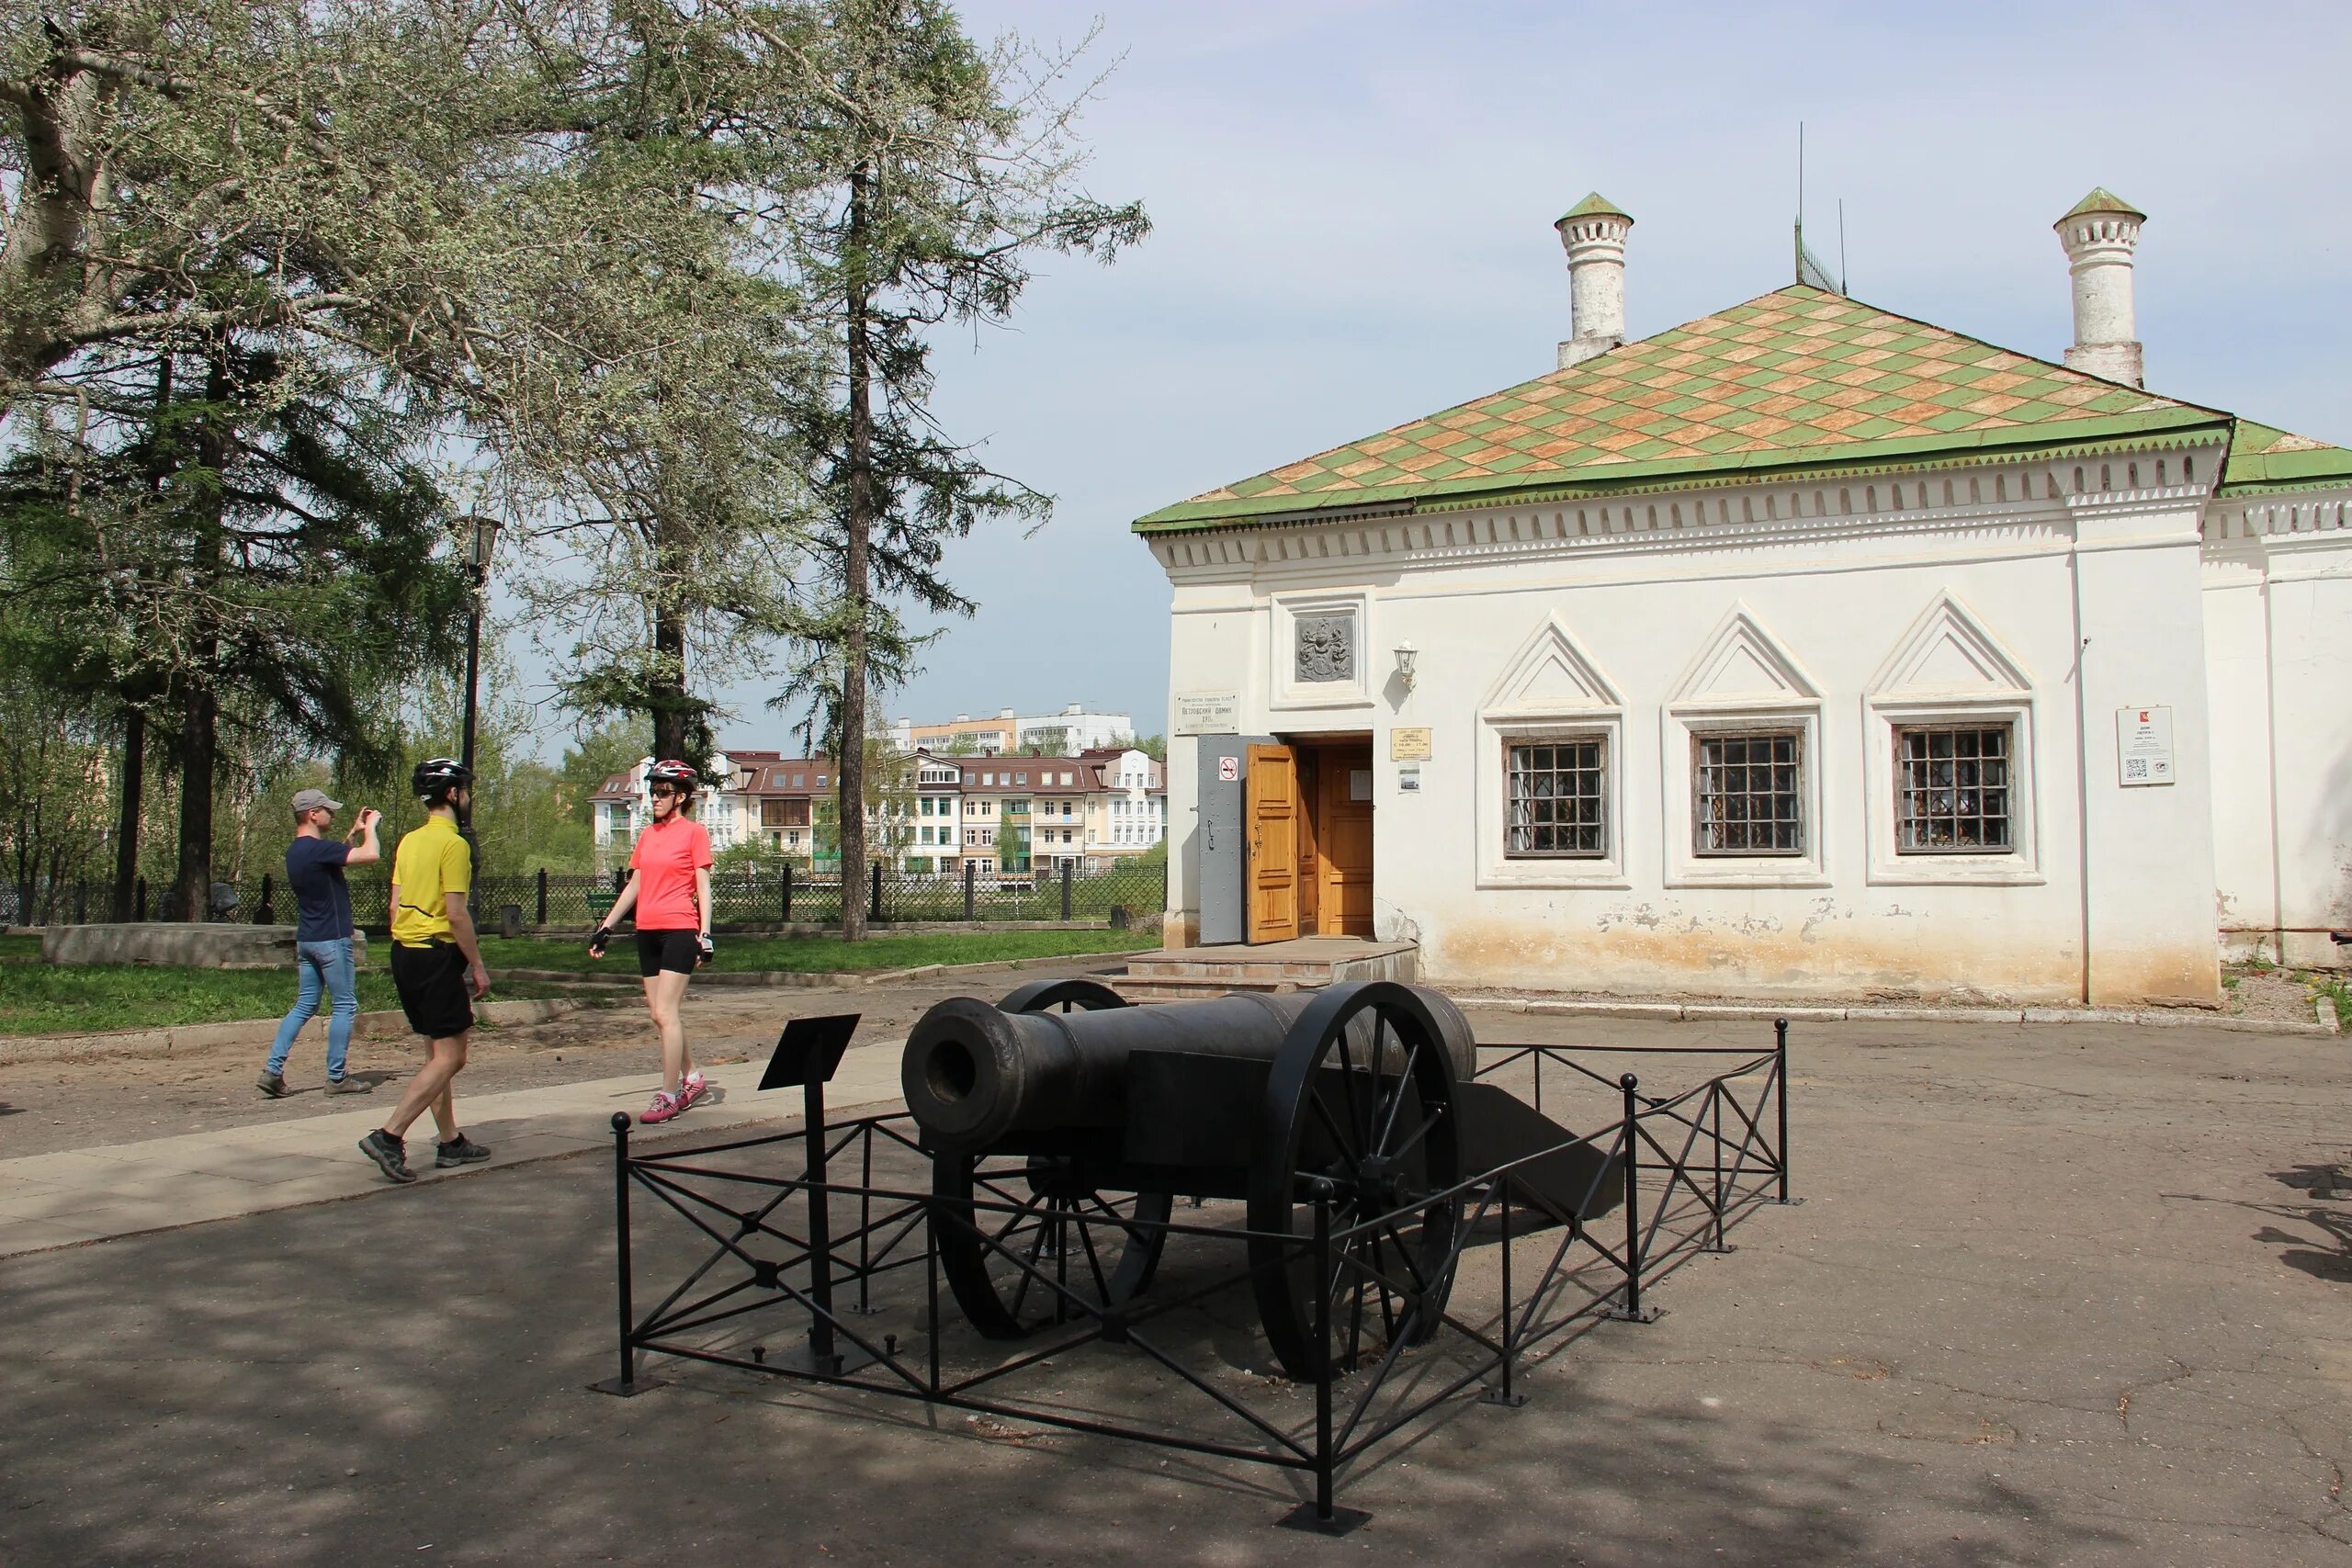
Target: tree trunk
[(131, 826), (199, 746), (134, 788), (849, 766), (199, 726), (668, 694)]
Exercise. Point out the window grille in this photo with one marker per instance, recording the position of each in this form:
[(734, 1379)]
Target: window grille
[(1750, 794), (1952, 789), (1558, 801)]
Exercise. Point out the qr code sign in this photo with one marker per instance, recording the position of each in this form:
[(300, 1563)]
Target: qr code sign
[(2135, 767)]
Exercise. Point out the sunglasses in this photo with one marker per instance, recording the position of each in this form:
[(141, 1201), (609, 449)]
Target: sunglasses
[(664, 794)]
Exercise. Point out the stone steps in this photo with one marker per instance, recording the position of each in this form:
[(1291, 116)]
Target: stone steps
[(1188, 974)]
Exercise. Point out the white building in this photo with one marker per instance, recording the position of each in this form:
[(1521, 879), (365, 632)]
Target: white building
[(1129, 812), (726, 805), (1065, 734), (1804, 648)]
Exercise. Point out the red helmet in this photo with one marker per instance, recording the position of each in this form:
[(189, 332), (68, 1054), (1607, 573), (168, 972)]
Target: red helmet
[(675, 773)]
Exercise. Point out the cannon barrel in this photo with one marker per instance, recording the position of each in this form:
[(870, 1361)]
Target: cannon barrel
[(973, 1073)]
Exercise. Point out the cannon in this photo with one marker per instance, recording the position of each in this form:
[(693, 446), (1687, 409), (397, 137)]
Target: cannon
[(1062, 1123)]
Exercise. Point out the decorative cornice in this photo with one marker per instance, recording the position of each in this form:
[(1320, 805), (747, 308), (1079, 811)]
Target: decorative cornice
[(2287, 511), (2002, 497)]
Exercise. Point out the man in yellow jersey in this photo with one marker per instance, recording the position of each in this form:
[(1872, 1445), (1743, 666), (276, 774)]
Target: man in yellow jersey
[(436, 968)]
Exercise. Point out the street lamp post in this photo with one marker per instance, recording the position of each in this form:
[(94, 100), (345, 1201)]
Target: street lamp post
[(482, 540)]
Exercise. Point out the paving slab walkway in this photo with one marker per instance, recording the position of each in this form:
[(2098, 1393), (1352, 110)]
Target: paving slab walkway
[(64, 1199)]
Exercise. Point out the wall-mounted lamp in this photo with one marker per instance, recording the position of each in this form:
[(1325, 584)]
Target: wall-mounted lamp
[(1407, 656)]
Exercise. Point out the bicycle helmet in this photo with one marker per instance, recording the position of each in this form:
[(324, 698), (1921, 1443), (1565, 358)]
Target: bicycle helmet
[(679, 776), (433, 778)]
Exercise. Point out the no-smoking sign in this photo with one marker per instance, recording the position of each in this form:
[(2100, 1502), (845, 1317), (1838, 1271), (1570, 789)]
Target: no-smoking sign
[(1229, 770)]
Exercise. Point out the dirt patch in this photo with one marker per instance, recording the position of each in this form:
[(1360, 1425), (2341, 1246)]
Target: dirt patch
[(2275, 994), (46, 1107)]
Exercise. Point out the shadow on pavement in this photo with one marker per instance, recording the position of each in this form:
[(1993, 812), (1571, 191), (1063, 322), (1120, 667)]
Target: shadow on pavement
[(405, 1371)]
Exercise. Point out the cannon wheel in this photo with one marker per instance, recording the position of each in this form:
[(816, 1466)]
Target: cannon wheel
[(1362, 1098), (1074, 1235)]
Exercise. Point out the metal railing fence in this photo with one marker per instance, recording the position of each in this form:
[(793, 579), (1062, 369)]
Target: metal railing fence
[(756, 894)]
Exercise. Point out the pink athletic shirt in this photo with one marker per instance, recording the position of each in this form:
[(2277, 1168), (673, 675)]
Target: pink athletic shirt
[(665, 859)]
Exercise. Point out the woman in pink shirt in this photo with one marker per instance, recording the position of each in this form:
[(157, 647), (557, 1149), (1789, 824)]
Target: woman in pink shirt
[(669, 887)]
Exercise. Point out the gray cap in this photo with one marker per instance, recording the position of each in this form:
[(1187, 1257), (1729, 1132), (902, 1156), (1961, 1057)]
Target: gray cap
[(314, 800)]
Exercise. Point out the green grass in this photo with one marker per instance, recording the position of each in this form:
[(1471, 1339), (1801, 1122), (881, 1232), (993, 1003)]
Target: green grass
[(2337, 990), (20, 947), (822, 953), (41, 999), (37, 999)]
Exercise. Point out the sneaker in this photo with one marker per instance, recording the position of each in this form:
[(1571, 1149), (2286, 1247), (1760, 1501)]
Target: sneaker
[(389, 1154), (665, 1105), (272, 1084), (351, 1086), (459, 1150), (693, 1092)]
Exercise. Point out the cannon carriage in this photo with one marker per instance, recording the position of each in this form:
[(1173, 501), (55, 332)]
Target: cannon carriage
[(1062, 1123)]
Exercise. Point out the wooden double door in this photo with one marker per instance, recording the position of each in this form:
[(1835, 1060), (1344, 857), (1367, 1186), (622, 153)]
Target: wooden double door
[(1307, 815)]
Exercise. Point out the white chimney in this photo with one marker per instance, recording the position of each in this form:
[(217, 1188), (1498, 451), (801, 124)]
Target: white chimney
[(1593, 232), (2100, 233)]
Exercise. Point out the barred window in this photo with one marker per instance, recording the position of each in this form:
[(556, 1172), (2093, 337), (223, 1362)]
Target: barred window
[(1952, 789), (1750, 794), (1558, 800)]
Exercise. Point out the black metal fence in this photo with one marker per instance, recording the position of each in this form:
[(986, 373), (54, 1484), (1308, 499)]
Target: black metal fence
[(759, 1264), (774, 894)]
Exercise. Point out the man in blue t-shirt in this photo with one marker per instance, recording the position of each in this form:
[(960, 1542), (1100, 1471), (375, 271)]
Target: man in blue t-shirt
[(315, 865)]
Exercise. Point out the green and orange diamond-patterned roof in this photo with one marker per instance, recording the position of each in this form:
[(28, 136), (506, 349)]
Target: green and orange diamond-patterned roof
[(1797, 378)]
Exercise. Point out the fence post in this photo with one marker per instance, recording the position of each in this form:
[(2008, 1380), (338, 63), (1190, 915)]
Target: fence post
[(265, 912), (1632, 1310), (142, 913), (874, 896), (972, 905), (1065, 889), (81, 901), (543, 895), (1781, 1078), (786, 914), (628, 1383)]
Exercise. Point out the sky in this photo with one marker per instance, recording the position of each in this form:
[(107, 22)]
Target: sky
[(1352, 210)]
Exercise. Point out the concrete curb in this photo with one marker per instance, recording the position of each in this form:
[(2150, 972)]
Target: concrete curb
[(1704, 1012), (824, 979), (254, 1033)]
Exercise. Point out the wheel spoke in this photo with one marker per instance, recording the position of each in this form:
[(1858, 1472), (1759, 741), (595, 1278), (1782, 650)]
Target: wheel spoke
[(1342, 1144), (1387, 1313), (1396, 1101), (1093, 1263), (1405, 1256), (1348, 1075), (1401, 1150)]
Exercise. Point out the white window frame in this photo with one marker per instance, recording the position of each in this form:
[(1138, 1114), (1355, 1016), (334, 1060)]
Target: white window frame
[(1497, 867), (1678, 764), (2020, 866)]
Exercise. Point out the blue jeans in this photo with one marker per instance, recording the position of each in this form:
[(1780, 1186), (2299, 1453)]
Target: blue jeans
[(322, 966)]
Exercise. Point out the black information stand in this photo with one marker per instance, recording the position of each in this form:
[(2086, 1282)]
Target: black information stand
[(806, 1053)]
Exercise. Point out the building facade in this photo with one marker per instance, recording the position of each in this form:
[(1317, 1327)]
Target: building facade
[(1073, 730), (1128, 813), (1804, 648)]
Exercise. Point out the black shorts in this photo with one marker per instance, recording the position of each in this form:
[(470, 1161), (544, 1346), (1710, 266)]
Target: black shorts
[(676, 951), (431, 981)]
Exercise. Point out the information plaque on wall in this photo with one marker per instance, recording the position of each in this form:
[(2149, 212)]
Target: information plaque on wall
[(1408, 744), (2144, 746), (1206, 713)]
